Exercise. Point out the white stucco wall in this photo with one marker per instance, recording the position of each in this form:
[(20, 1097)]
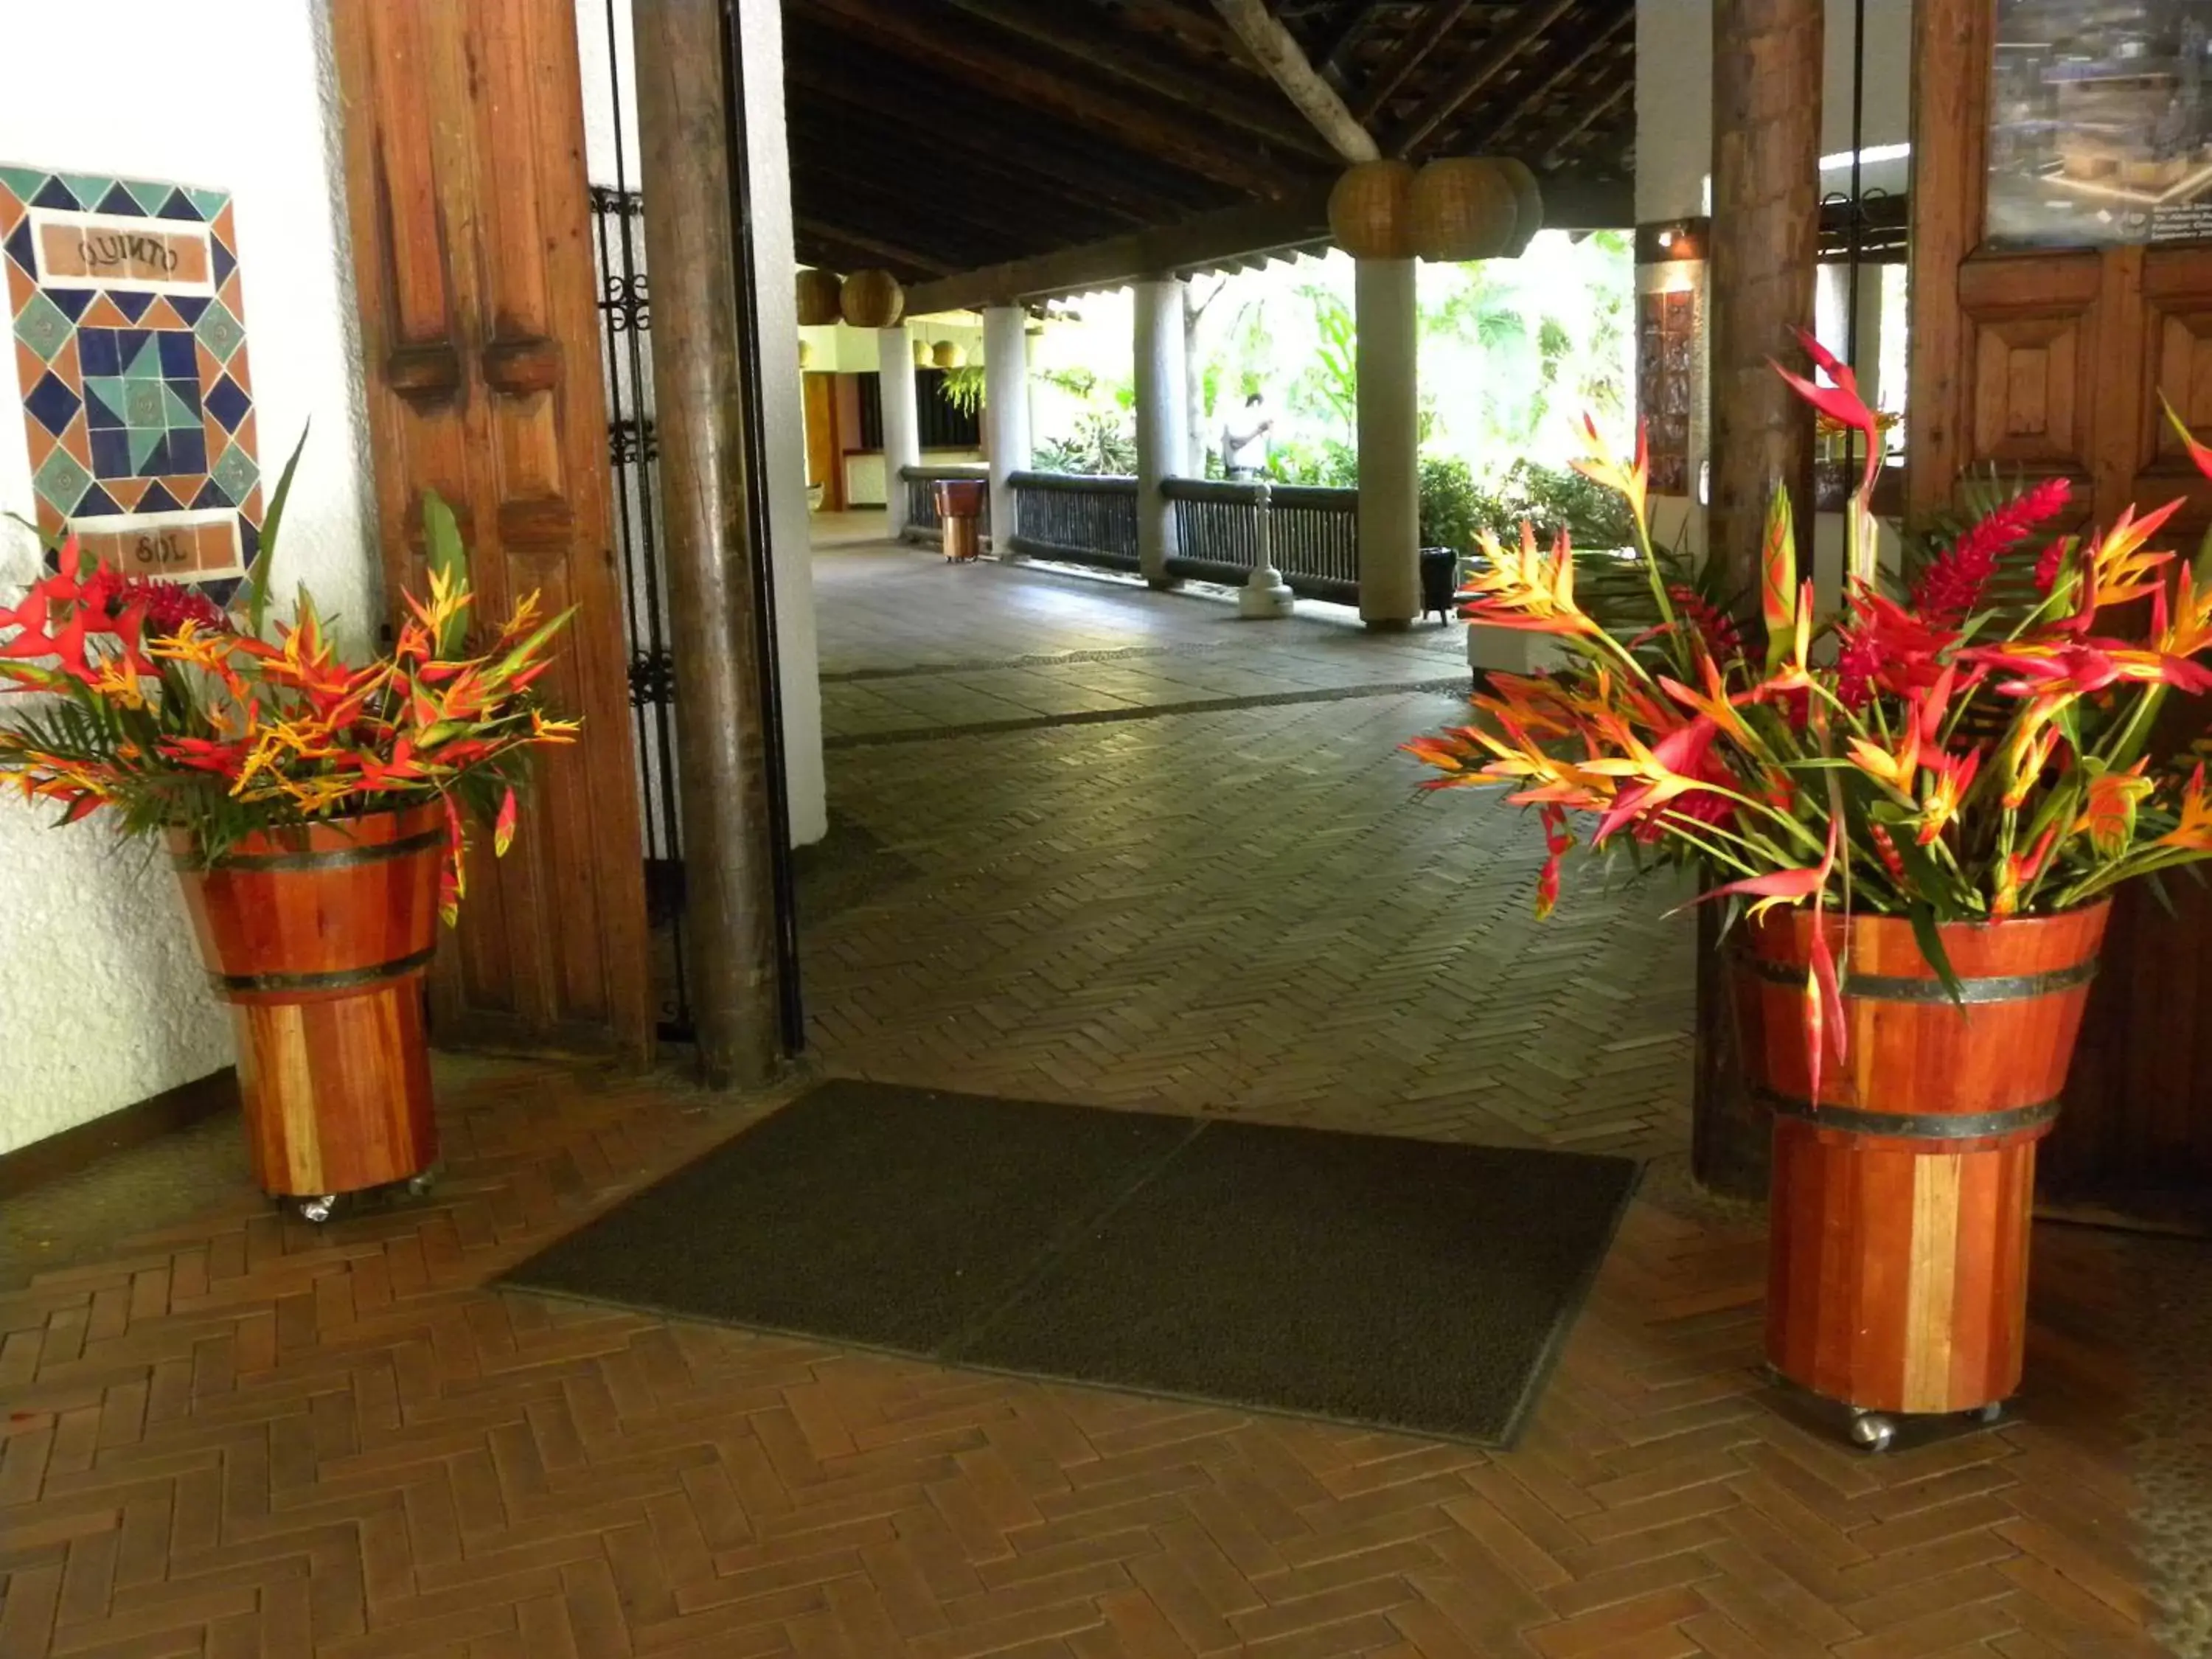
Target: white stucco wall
[(102, 1001), (609, 121)]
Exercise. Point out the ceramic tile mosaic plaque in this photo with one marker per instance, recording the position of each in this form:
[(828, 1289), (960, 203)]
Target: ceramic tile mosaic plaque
[(129, 344)]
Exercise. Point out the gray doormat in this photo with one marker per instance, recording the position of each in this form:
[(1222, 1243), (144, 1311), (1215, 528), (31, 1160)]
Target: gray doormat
[(1391, 1283)]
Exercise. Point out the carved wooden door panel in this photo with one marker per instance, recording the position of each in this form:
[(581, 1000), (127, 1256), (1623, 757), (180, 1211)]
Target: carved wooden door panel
[(2052, 362), (465, 185)]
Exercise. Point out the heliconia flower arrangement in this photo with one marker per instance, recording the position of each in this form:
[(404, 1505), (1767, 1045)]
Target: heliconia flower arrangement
[(144, 696), (1963, 749)]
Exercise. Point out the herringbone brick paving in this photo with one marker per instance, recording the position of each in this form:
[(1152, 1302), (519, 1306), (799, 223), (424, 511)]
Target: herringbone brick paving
[(241, 1435)]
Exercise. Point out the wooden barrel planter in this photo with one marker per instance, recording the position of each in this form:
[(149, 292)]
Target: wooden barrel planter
[(318, 936), (959, 507), (1898, 1261)]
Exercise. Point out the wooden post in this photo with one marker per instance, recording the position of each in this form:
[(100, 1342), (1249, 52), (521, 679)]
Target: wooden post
[(1765, 249), (721, 722)]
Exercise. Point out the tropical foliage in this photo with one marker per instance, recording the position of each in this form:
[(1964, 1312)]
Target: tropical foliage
[(1958, 750), (143, 697)]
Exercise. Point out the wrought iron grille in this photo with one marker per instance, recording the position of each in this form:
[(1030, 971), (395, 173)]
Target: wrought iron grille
[(625, 315)]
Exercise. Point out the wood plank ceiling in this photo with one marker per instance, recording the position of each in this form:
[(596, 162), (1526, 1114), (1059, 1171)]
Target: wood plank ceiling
[(929, 136)]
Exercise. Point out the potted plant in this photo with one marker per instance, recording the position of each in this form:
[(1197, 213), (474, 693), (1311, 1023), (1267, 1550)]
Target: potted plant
[(1921, 804), (312, 808)]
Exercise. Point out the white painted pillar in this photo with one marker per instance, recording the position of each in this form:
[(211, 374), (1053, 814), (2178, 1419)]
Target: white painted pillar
[(1162, 401), (1005, 414), (901, 422), (1389, 435)]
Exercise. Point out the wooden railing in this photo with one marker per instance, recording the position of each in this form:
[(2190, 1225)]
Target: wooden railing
[(1081, 519), (1315, 535), (921, 498)]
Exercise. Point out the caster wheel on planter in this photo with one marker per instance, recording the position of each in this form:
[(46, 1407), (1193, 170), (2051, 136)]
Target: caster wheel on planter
[(1872, 1431), (1992, 1412), (419, 1186), (318, 1209)]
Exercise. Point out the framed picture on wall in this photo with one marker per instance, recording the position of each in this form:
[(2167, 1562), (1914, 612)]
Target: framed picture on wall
[(2101, 123)]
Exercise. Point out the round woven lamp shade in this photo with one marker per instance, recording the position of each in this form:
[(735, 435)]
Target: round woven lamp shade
[(872, 299), (946, 354), (1464, 207), (1369, 212), (1529, 204), (806, 354), (922, 359), (819, 294)]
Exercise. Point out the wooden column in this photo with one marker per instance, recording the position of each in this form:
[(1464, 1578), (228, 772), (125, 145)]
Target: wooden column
[(715, 597), (1766, 247)]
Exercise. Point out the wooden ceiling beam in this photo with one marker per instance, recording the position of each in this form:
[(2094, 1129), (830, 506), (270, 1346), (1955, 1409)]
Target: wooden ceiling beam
[(1276, 50), (1068, 32), (934, 40), (1489, 61), (1438, 21), (1525, 95), (1255, 227), (840, 249), (1571, 201)]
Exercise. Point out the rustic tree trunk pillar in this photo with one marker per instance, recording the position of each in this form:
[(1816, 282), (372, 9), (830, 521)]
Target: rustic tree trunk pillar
[(1161, 395), (1766, 250), (901, 420), (1005, 414), (721, 728), (1387, 322)]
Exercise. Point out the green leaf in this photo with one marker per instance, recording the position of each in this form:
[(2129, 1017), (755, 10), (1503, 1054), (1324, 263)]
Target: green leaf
[(257, 586), (441, 537), (1930, 937)]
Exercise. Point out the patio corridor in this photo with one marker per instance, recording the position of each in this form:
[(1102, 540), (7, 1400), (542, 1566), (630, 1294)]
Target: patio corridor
[(236, 1435)]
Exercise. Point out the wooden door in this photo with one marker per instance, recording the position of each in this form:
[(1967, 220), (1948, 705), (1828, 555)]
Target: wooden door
[(465, 183), (823, 466), (2045, 362)]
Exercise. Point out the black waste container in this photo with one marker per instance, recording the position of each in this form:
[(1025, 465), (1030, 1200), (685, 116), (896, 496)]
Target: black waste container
[(1439, 581)]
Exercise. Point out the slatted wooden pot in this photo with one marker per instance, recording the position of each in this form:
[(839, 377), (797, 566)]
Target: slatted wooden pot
[(1897, 1262), (318, 937)]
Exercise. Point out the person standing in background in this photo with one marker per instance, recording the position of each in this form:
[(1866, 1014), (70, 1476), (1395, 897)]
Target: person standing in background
[(1244, 441)]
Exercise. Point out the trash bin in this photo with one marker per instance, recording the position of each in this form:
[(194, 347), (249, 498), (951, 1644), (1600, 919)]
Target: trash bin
[(1439, 581), (960, 510)]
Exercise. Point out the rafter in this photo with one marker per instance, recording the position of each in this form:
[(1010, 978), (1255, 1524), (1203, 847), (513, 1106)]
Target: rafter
[(1483, 68), (1544, 149), (1067, 31), (1333, 52), (1532, 85), (932, 37), (821, 65), (1437, 21)]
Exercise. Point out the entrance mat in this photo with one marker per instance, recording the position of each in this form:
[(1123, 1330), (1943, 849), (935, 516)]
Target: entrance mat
[(1390, 1283)]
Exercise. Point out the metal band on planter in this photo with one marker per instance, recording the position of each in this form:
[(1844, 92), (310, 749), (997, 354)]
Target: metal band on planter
[(343, 979), (1882, 987), (1916, 1126), (335, 858)]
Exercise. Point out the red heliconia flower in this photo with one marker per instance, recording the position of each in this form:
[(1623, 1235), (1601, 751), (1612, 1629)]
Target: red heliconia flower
[(1950, 590), (1841, 402), (1885, 647), (1558, 838), (2052, 562), (1716, 630)]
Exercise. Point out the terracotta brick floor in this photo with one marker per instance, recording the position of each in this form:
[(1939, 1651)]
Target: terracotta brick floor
[(234, 1434)]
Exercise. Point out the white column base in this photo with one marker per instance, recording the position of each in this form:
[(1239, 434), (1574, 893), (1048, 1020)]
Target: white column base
[(1265, 594)]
